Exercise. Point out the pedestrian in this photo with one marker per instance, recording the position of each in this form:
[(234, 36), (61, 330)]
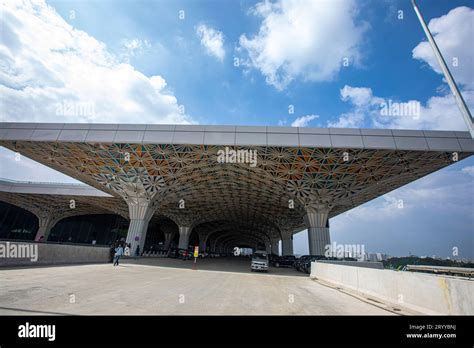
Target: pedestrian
[(127, 250), (137, 251), (112, 252), (118, 253)]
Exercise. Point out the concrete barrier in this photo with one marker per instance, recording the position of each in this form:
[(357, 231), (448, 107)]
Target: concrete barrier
[(365, 264), (424, 293), (35, 254)]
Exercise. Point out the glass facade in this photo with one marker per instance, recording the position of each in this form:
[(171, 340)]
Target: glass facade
[(155, 238), (85, 229), (17, 223)]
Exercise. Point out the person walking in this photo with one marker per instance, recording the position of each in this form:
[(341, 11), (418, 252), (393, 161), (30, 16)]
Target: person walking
[(127, 250), (137, 251), (112, 252), (118, 253)]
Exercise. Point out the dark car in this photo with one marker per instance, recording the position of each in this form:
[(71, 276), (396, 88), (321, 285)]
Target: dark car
[(299, 261), (303, 264), (272, 258), (306, 265), (284, 261), (173, 253), (185, 254)]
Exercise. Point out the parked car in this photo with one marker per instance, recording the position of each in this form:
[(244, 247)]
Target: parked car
[(303, 263), (173, 253), (284, 261), (272, 258), (259, 261), (306, 265), (299, 261), (184, 254)]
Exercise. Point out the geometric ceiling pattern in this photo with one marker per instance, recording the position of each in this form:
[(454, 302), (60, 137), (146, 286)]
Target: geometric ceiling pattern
[(191, 187), (59, 206), (52, 208)]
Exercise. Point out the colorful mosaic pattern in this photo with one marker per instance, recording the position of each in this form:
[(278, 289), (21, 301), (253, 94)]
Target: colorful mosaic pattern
[(250, 199)]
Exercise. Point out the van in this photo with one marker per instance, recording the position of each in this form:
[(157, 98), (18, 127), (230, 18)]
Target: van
[(259, 261)]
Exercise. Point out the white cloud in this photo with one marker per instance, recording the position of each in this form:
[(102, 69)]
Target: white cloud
[(359, 96), (132, 48), (439, 112), (212, 40), (303, 121), (452, 33), (468, 170), (300, 39), (362, 100), (432, 205), (49, 66), (443, 192), (353, 119)]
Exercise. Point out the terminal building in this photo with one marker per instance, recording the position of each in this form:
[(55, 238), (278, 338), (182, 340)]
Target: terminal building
[(218, 187)]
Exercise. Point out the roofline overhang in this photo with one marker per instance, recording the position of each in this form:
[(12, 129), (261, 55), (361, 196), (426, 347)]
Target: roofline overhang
[(245, 136)]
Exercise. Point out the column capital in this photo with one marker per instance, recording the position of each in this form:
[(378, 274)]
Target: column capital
[(168, 227), (317, 215), (184, 229), (318, 207), (141, 208), (184, 234), (184, 218), (203, 236), (286, 233)]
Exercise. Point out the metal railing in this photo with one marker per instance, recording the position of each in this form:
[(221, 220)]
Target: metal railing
[(462, 271)]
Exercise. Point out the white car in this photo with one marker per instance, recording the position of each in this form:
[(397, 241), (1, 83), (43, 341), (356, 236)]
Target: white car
[(259, 261)]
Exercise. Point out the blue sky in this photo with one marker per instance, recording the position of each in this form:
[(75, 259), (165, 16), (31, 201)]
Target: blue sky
[(139, 61), (229, 96)]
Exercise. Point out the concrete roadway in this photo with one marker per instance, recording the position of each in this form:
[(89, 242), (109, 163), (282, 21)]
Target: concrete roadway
[(167, 286)]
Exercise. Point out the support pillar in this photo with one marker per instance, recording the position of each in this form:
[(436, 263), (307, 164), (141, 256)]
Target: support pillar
[(184, 234), (287, 246), (316, 220), (169, 230), (268, 248), (275, 243), (168, 239), (141, 211), (45, 225), (202, 245)]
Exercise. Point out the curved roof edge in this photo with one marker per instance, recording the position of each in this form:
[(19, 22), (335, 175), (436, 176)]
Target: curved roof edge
[(49, 188), (357, 138)]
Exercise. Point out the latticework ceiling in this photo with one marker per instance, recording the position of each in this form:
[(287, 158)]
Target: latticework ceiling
[(248, 198), (61, 206)]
